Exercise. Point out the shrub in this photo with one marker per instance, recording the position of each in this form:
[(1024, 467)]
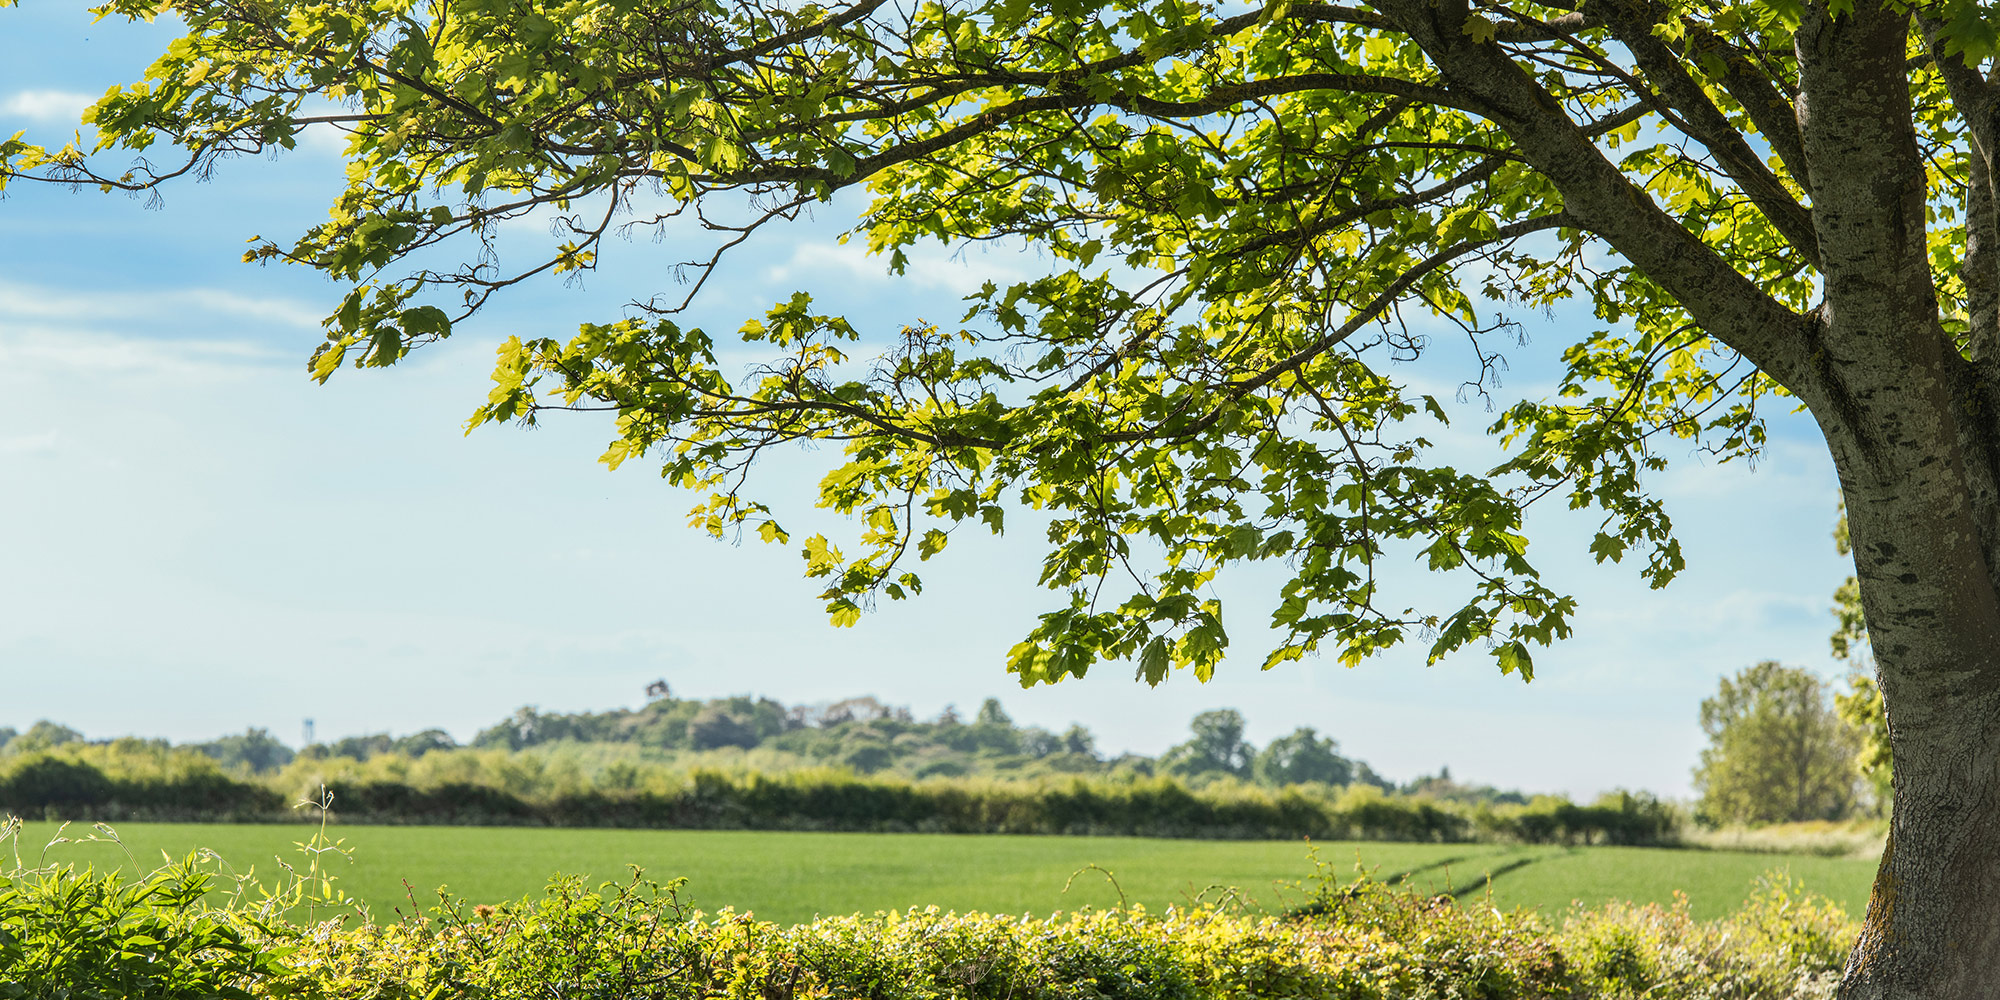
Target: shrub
[(1782, 944), (68, 932)]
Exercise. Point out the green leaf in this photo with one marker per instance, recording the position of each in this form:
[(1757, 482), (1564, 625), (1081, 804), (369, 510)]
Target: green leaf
[(1513, 656)]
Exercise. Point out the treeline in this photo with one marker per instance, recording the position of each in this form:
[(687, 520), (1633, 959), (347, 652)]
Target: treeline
[(63, 783), (861, 735)]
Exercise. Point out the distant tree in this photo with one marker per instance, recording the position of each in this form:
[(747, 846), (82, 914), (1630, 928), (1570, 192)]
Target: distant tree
[(1133, 765), (948, 717), (523, 729), (1301, 757), (7, 734), (363, 747), (44, 735), (991, 714), (254, 750), (427, 741), (1217, 747), (1365, 775), (869, 757), (863, 709), (1038, 742), (1076, 739), (1777, 751), (1443, 786), (714, 727)]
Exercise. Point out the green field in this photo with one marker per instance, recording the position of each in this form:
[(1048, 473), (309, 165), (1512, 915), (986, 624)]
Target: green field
[(790, 877)]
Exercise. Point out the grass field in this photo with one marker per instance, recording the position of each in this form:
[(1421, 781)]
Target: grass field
[(790, 877)]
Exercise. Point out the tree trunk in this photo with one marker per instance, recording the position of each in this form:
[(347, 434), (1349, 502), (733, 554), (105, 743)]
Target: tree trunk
[(1933, 923), (1922, 517), (1915, 435)]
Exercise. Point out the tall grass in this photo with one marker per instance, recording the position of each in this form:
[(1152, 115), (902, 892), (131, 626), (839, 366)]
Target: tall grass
[(1861, 838)]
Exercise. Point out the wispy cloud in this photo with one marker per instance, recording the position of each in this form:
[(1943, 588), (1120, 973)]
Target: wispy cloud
[(29, 444), (180, 331), (929, 267), (45, 105), (48, 349), (32, 302)]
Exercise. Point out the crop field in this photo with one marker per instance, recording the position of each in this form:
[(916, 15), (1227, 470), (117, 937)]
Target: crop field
[(790, 877)]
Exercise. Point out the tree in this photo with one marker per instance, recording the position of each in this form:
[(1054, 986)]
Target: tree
[(1243, 218), (1777, 751), (715, 726), (1217, 747), (420, 743), (43, 735), (1301, 757), (991, 714), (254, 750)]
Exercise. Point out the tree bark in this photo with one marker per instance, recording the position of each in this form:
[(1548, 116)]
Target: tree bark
[(1913, 435), (1933, 924)]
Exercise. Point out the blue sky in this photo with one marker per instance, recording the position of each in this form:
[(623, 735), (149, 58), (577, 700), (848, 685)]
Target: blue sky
[(195, 538)]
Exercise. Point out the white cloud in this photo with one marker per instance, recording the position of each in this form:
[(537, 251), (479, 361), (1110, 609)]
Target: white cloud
[(43, 443), (56, 349), (31, 302), (46, 105), (930, 267)]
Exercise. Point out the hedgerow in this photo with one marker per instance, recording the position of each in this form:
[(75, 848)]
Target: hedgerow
[(161, 938), (69, 785)]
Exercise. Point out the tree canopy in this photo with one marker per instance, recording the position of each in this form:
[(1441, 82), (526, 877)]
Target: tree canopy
[(1247, 217), (1777, 750)]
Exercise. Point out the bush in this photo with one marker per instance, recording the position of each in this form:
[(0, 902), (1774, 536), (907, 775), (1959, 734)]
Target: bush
[(1783, 943), (68, 932)]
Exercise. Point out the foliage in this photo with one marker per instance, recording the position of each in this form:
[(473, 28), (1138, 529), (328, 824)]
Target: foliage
[(1301, 757), (78, 934), (1784, 944), (1777, 751), (1850, 631), (43, 735), (127, 780), (633, 939), (1217, 747), (254, 750), (1442, 786), (413, 746), (1860, 706), (492, 787), (859, 734), (638, 939), (1245, 219)]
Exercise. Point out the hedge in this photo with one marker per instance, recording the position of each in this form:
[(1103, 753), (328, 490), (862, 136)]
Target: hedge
[(49, 786)]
